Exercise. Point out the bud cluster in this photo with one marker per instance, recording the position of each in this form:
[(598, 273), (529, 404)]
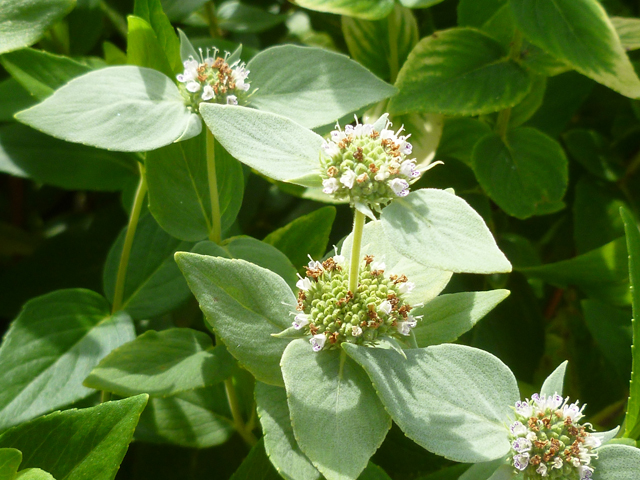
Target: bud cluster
[(366, 165), (332, 314), (211, 79), (548, 442)]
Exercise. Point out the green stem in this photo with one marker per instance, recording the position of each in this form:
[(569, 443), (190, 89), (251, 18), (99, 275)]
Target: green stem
[(215, 234), (354, 268), (128, 240), (502, 123), (393, 46), (234, 405)]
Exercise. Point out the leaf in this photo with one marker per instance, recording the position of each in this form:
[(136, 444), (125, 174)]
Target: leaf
[(152, 12), (34, 474), (162, 364), (632, 424), (460, 71), (40, 72), (493, 17), (126, 108), (180, 9), (419, 3), (488, 471), (235, 16), (383, 45), (601, 273), (530, 104), (179, 195), (192, 418), (256, 466), (27, 153), (78, 444), (367, 9), (279, 441), (523, 172), (593, 152), (270, 143), (554, 383), (51, 347), (429, 282), (448, 316), (628, 30), (10, 460), (306, 235), (453, 400), (373, 472), (153, 283), (332, 405), (439, 230), (23, 23), (14, 98), (617, 462), (459, 136), (244, 304), (580, 33), (312, 86), (143, 47)]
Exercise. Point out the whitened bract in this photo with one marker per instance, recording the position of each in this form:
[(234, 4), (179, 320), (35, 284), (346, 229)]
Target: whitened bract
[(367, 163), (211, 79), (332, 314), (548, 442)]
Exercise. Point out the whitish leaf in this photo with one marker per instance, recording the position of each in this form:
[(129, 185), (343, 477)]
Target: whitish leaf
[(554, 383), (617, 462)]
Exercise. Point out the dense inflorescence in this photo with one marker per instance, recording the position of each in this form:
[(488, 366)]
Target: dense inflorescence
[(548, 442), (212, 79), (367, 164), (332, 314)]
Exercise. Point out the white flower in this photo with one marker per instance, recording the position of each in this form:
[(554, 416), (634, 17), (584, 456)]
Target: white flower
[(301, 320), (385, 307), (404, 328), (518, 429), (317, 342), (303, 284), (356, 331), (399, 186), (521, 445), (592, 441), (378, 266), (523, 408), (339, 259), (208, 93), (338, 135), (330, 185), (557, 463), (382, 174), (330, 149), (408, 169), (190, 71), (239, 74), (232, 100), (193, 87), (314, 264), (348, 178), (521, 461), (388, 135), (585, 472), (573, 411), (406, 287), (542, 470)]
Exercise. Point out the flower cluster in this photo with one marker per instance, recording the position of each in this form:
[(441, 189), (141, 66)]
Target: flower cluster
[(211, 79), (547, 440), (367, 165), (332, 314)]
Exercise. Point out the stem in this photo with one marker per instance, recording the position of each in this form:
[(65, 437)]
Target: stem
[(116, 19), (354, 268), (232, 398), (215, 232), (393, 46), (128, 240), (502, 123), (105, 396), (214, 30)]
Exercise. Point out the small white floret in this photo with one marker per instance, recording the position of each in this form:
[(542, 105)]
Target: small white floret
[(317, 342)]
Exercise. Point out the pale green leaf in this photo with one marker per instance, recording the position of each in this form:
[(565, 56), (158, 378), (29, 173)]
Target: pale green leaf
[(367, 9), (152, 12), (51, 347), (123, 108), (617, 462), (143, 46), (453, 400), (628, 30), (10, 460), (488, 471), (437, 229), (419, 3), (554, 383), (333, 405), (13, 99), (34, 474)]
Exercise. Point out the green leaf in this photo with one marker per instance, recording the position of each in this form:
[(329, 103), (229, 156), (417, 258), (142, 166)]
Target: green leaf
[(126, 108), (382, 45), (27, 153), (256, 466), (554, 383), (419, 3), (632, 424), (439, 230), (601, 273), (453, 400), (493, 17), (23, 23), (460, 71), (193, 418), (235, 16), (244, 304), (162, 364), (429, 282), (254, 251), (448, 316), (152, 12), (312, 86), (272, 144), (51, 347), (179, 196), (143, 47), (306, 235), (580, 33), (367, 9), (591, 149), (617, 462), (279, 441), (34, 474), (459, 136), (40, 72), (13, 99), (180, 9), (522, 172), (448, 473), (78, 444), (489, 471), (333, 405), (628, 30), (530, 104), (10, 460), (153, 283)]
